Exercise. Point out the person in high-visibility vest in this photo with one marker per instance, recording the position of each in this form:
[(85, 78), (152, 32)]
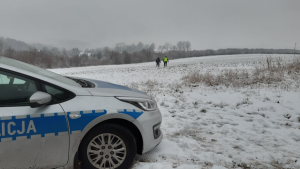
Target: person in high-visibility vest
[(166, 60)]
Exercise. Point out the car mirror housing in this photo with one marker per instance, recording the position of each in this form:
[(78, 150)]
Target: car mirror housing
[(39, 99)]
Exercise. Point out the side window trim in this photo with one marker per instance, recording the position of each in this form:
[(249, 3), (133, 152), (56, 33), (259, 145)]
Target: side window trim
[(42, 85)]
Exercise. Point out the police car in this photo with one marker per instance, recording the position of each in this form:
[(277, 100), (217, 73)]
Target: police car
[(50, 121)]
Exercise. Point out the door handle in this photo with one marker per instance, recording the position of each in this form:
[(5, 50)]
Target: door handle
[(74, 116)]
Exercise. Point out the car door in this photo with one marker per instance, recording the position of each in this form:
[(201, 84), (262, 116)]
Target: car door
[(29, 137)]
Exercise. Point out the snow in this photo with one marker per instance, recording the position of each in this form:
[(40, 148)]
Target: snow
[(213, 127)]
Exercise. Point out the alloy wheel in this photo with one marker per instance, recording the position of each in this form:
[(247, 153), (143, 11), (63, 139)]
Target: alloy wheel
[(106, 151)]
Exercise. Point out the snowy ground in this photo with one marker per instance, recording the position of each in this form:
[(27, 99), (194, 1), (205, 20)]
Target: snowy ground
[(213, 126)]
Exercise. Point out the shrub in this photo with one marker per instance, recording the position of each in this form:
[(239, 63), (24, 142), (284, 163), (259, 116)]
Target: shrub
[(203, 110), (273, 71)]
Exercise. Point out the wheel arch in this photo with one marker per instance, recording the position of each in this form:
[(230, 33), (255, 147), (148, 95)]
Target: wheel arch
[(116, 118), (126, 124)]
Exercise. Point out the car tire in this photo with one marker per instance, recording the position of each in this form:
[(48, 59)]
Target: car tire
[(108, 145)]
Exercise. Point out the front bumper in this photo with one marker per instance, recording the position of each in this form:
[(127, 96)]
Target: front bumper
[(148, 124)]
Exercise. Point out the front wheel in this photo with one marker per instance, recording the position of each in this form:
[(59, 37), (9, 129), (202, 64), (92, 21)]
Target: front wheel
[(108, 146)]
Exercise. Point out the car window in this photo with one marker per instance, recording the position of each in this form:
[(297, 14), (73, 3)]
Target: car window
[(4, 79), (37, 70), (15, 90), (58, 94), (19, 81)]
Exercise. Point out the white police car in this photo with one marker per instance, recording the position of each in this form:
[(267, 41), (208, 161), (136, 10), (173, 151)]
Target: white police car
[(46, 120)]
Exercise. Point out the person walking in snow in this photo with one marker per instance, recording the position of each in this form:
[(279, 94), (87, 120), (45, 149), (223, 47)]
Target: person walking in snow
[(157, 61), (166, 60)]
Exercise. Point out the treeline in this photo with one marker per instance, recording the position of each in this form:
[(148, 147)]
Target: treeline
[(234, 51), (52, 57)]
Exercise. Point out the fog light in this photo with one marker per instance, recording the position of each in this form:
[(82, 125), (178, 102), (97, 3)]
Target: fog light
[(156, 130)]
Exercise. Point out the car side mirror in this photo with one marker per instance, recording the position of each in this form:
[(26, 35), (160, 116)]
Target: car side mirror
[(39, 99)]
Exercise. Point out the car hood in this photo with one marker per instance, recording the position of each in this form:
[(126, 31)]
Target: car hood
[(109, 89)]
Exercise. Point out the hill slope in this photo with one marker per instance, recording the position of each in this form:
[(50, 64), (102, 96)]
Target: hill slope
[(215, 126)]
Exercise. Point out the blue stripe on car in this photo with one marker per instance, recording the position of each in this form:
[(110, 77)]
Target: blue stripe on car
[(80, 123), (44, 125), (13, 127), (132, 113)]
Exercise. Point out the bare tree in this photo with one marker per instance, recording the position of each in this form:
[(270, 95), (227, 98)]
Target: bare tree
[(184, 45), (106, 51), (1, 47), (9, 52), (295, 49), (131, 48), (127, 57), (188, 45), (120, 47), (160, 48), (167, 46), (147, 46), (174, 48), (75, 52), (140, 46), (181, 45), (152, 47), (64, 52), (55, 51)]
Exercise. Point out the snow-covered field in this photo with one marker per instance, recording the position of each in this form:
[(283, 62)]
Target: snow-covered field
[(214, 126)]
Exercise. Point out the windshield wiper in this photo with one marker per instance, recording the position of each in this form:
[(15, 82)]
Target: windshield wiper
[(81, 82)]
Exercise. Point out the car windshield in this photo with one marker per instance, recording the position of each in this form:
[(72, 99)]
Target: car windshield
[(37, 70)]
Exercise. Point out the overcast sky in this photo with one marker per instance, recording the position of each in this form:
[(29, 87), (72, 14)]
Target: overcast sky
[(207, 24)]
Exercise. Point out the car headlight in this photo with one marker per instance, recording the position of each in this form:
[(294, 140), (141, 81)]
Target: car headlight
[(144, 104)]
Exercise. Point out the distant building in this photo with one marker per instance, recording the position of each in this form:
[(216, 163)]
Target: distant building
[(83, 53)]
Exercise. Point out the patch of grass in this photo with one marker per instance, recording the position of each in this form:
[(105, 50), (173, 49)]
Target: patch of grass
[(134, 85), (176, 88), (203, 110), (195, 104), (262, 109), (146, 160), (220, 105), (288, 116), (208, 164), (182, 98), (149, 85), (266, 99), (243, 102), (272, 71), (182, 106), (288, 124), (172, 111), (244, 166)]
